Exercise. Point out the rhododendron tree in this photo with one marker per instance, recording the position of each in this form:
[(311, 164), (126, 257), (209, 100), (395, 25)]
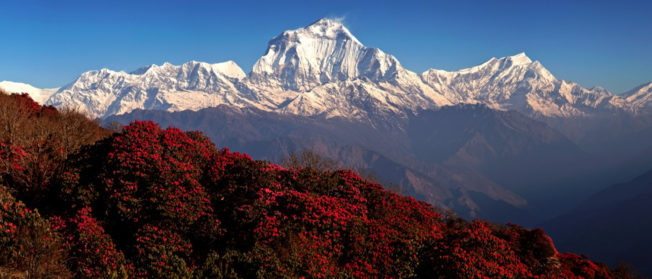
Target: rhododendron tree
[(472, 251), (27, 243), (93, 253)]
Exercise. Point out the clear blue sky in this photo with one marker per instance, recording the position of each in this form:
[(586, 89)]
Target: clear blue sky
[(49, 43)]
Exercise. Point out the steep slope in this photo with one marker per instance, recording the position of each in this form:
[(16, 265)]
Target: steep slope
[(323, 52), (37, 94), (613, 225), (501, 144), (640, 97), (525, 157)]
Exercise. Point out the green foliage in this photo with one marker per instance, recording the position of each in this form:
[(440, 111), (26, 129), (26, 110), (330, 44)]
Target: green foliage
[(230, 264)]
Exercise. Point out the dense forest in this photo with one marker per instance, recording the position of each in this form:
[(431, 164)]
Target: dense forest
[(81, 201)]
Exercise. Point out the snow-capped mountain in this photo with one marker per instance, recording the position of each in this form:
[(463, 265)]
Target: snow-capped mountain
[(518, 83), (323, 70), (323, 52), (640, 97), (37, 94), (193, 85)]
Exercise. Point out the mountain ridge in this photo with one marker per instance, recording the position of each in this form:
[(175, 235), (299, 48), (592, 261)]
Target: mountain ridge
[(323, 70)]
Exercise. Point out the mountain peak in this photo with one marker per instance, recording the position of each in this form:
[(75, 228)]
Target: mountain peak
[(642, 87), (322, 52), (640, 97), (327, 22), (327, 29), (227, 68), (519, 59)]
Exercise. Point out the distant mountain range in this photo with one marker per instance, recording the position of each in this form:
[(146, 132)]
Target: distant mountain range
[(323, 70)]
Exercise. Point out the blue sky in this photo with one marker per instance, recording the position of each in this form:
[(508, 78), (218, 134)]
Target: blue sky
[(49, 43)]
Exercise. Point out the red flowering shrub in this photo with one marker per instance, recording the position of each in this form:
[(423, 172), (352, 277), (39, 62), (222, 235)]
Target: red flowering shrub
[(12, 159), (314, 225), (93, 253), (574, 266), (146, 176), (472, 251), (533, 247), (25, 102), (393, 225), (151, 173)]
